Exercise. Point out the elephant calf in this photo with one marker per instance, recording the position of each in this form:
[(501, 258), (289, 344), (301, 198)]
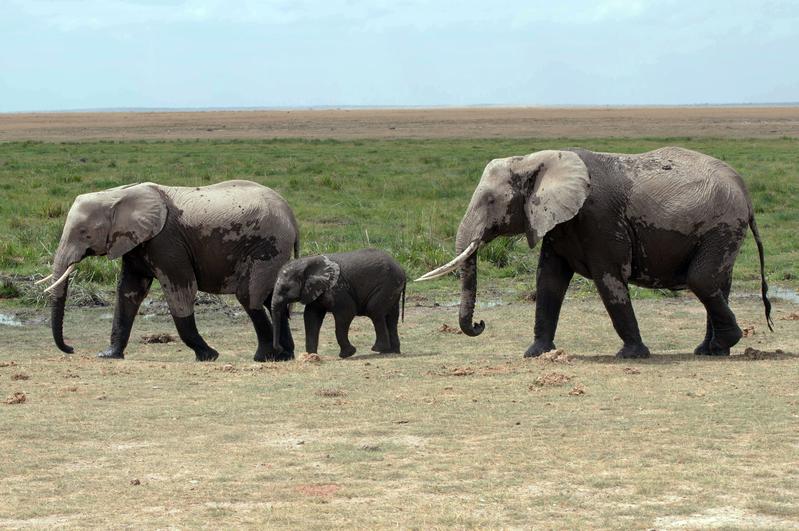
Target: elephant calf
[(367, 282)]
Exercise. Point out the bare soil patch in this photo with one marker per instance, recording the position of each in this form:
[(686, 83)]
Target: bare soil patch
[(476, 122)]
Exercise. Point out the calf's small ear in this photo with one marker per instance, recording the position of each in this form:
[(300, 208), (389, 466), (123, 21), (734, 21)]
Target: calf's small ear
[(321, 276)]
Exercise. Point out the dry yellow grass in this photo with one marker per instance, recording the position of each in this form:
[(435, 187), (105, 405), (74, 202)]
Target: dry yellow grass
[(454, 432)]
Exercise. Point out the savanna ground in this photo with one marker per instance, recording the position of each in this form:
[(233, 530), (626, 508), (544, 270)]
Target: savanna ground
[(456, 431)]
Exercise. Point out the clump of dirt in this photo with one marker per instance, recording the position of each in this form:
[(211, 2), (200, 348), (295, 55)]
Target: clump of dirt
[(447, 329), (8, 363), (158, 337), (330, 393), (311, 358), (791, 317), (752, 353), (370, 447), (227, 367), (748, 331), (632, 370), (322, 491), (17, 398), (556, 356), (462, 371), (552, 379), (135, 482), (577, 390), (20, 376)]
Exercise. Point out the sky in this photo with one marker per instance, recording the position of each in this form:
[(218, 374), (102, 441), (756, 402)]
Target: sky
[(101, 54)]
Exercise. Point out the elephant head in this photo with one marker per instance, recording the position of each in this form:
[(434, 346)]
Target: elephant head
[(110, 223), (303, 280), (529, 194)]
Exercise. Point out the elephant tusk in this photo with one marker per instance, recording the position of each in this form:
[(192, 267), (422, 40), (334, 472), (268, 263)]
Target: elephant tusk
[(69, 270), (451, 266), (43, 280)]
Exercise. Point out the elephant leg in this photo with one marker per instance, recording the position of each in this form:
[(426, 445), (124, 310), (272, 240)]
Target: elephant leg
[(263, 330), (382, 339), (552, 281), (725, 330), (615, 295), (187, 330), (392, 319), (131, 291), (703, 349), (343, 321), (286, 339), (313, 318), (181, 306)]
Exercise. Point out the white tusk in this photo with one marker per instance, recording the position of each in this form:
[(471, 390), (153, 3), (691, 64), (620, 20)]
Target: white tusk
[(42, 280), (69, 270), (451, 266)]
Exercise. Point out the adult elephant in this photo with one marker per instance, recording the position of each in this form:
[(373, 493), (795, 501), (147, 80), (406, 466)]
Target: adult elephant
[(230, 237), (670, 218)]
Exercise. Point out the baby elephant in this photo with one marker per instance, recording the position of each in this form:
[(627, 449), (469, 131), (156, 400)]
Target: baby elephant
[(366, 282)]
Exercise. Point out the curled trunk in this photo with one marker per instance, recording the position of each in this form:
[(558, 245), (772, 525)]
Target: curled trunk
[(57, 319), (63, 259)]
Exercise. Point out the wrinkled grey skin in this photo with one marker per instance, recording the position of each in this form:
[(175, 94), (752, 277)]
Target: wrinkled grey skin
[(367, 282), (671, 218), (230, 237)]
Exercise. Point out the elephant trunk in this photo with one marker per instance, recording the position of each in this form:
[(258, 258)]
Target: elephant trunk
[(467, 234), (277, 309), (62, 265)]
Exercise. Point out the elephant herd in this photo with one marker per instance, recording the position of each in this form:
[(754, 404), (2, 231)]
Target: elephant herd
[(670, 218)]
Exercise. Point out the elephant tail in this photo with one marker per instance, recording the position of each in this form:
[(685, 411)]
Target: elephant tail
[(763, 284), (297, 247), (403, 301)]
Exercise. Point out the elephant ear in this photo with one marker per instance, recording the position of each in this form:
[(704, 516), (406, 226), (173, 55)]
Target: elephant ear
[(559, 184), (138, 213), (321, 276)]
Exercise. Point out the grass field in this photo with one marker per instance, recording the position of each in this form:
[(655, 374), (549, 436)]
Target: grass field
[(455, 432), (406, 196)]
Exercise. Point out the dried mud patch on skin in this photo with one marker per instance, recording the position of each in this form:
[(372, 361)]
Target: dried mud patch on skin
[(158, 337)]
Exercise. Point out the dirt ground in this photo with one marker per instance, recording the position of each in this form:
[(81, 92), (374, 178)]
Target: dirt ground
[(474, 122)]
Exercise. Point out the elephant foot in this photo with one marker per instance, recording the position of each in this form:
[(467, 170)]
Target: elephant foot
[(633, 351), (385, 349), (111, 354), (711, 348), (539, 347), (346, 352), (206, 355), (271, 354)]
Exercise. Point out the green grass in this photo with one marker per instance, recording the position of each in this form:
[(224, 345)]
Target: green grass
[(406, 196)]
